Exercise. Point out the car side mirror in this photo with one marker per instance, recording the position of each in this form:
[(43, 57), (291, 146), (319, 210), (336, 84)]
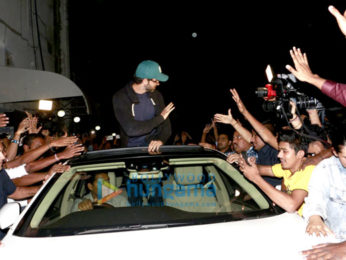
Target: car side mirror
[(9, 214)]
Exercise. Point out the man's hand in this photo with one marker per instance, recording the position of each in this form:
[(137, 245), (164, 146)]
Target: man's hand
[(167, 110), (249, 169), (58, 168), (341, 19), (207, 128), (225, 119), (154, 147), (71, 151), (236, 98), (302, 69), (207, 145), (33, 126), (85, 205), (233, 158), (64, 141), (327, 251), (318, 227), (23, 126), (3, 120)]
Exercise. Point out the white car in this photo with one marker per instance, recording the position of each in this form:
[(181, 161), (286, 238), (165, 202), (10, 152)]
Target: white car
[(185, 203)]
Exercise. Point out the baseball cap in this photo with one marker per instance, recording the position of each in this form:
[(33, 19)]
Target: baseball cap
[(149, 69)]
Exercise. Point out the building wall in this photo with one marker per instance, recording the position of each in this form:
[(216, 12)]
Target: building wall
[(19, 37)]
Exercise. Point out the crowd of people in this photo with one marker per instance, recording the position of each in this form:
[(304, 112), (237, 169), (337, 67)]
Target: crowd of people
[(300, 165)]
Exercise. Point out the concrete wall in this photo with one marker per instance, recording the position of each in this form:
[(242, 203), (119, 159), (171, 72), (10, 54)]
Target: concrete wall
[(19, 40)]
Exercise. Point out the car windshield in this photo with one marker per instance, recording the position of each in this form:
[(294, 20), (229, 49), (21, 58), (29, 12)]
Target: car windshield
[(142, 193)]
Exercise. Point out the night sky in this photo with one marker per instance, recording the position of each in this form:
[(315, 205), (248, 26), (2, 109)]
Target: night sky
[(235, 42)]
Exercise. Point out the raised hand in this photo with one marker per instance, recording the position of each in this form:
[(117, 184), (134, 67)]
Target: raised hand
[(341, 19), (249, 168), (23, 126), (238, 101), (207, 128), (225, 119), (302, 69), (167, 110), (4, 120)]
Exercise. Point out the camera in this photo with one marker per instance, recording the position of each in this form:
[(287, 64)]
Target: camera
[(280, 91)]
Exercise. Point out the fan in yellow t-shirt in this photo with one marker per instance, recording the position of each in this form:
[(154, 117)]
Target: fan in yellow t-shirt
[(296, 179)]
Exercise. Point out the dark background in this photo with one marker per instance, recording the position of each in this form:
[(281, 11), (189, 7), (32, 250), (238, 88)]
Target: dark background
[(235, 42)]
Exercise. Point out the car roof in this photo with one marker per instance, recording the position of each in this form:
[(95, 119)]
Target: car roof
[(101, 156)]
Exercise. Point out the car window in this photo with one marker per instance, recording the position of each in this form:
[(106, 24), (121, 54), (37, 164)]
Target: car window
[(140, 193)]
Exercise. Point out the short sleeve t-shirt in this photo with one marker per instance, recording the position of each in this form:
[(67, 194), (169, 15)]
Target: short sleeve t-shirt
[(298, 181)]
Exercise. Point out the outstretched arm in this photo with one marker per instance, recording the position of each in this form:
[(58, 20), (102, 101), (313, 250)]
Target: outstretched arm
[(302, 69), (228, 119), (13, 147), (266, 135)]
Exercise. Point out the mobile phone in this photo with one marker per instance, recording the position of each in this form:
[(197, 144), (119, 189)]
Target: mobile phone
[(245, 157), (109, 137)]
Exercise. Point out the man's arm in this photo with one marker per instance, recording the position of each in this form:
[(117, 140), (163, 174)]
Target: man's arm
[(29, 179), (131, 126), (228, 119), (69, 152), (32, 155), (261, 130), (13, 147), (302, 71), (24, 192), (265, 170)]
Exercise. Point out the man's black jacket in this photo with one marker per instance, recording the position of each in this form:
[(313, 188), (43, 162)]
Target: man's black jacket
[(123, 104)]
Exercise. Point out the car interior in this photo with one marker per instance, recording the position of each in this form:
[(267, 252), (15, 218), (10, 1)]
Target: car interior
[(156, 191)]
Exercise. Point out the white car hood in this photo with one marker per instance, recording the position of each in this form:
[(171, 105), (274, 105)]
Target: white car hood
[(278, 237)]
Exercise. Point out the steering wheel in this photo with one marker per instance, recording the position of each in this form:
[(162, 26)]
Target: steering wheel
[(102, 206)]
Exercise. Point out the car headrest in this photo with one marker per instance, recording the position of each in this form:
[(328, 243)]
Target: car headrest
[(188, 175)]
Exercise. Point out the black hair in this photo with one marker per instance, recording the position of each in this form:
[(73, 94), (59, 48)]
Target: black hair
[(30, 138), (295, 140), (318, 133), (338, 137)]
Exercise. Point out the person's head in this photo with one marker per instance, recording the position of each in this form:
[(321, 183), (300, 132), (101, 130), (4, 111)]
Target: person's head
[(93, 180), (291, 150), (239, 143), (339, 146), (2, 155), (149, 74), (223, 142), (32, 141), (319, 142), (257, 141), (5, 141)]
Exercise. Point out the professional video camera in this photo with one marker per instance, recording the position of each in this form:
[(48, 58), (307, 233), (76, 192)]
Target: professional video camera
[(280, 91)]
